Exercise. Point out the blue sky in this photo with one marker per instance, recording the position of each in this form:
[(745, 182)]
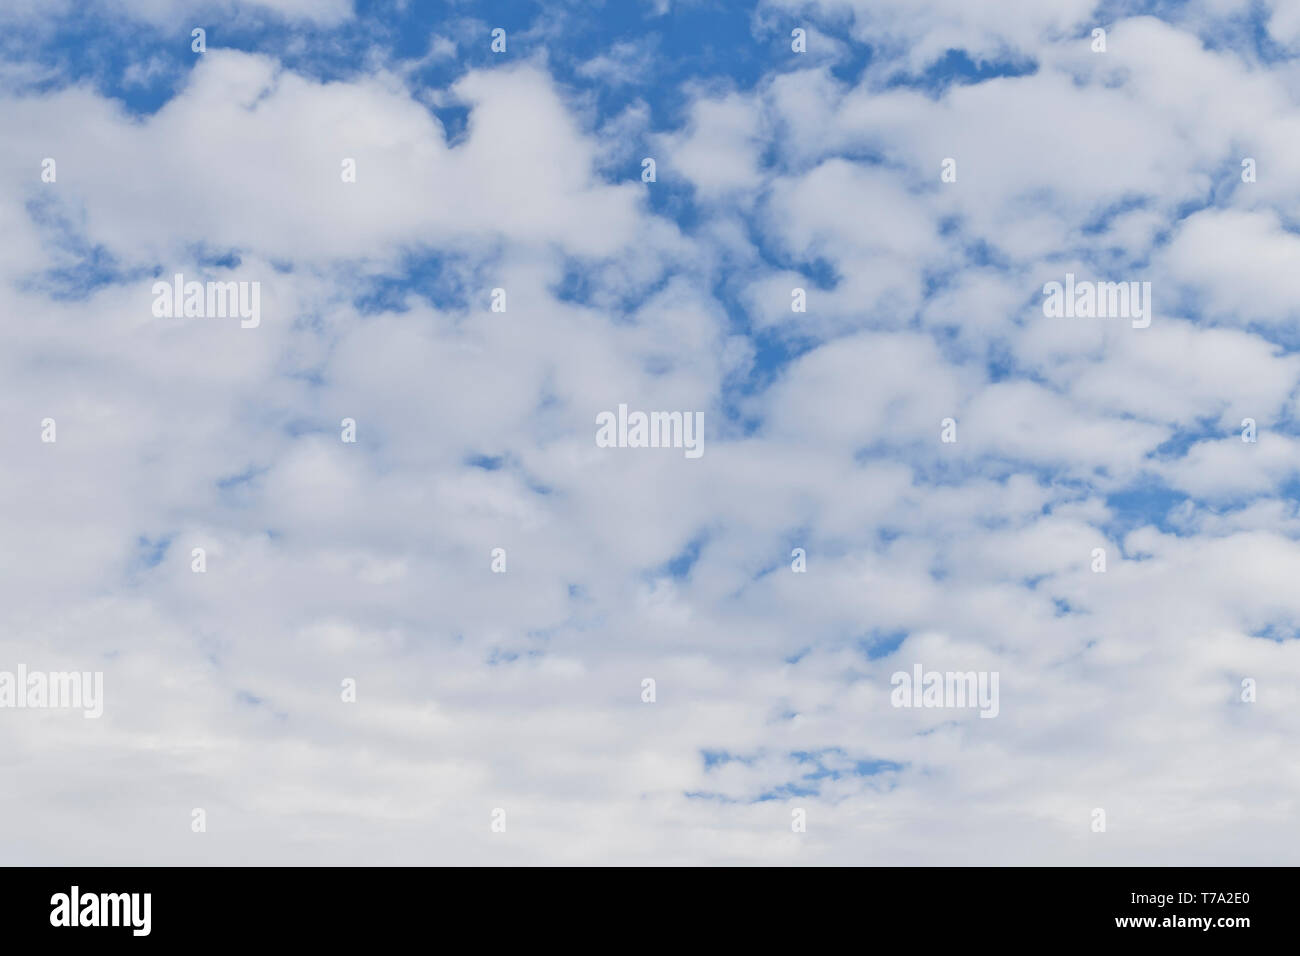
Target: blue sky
[(522, 687)]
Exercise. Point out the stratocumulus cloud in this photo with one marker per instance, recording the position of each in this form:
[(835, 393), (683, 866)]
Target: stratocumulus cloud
[(357, 577)]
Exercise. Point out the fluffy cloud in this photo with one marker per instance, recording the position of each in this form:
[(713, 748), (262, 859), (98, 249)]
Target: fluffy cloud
[(371, 561)]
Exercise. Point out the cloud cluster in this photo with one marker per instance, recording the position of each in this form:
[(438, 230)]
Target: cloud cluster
[(372, 561)]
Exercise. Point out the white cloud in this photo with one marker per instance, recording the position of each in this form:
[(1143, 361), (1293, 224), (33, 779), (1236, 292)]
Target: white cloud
[(371, 561)]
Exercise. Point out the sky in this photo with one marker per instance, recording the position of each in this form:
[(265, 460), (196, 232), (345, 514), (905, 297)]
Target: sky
[(478, 634)]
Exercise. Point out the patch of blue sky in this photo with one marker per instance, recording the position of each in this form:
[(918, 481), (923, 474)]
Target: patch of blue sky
[(787, 790), (1000, 364), (1063, 608), (247, 476), (1147, 501), (719, 758), (703, 43), (776, 346), (840, 764), (1104, 217), (1284, 331), (879, 643), (958, 68), (697, 42), (934, 470), (709, 795), (1178, 444), (83, 267), (831, 764), (1278, 631), (442, 279), (499, 656), (240, 490), (486, 462), (679, 566), (781, 556), (209, 258), (88, 44), (151, 551), (850, 66), (1289, 490)]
